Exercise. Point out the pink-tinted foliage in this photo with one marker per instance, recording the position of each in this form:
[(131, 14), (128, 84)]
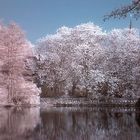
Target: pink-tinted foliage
[(14, 51)]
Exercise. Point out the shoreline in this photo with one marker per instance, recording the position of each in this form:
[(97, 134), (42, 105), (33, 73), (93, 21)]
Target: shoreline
[(87, 102)]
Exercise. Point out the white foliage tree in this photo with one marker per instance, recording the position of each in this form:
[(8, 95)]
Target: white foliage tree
[(85, 61), (69, 56), (15, 51), (122, 55)]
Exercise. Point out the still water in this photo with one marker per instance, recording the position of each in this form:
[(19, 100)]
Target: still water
[(69, 124)]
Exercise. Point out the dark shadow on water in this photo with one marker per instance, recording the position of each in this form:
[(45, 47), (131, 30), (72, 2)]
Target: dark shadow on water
[(69, 123), (137, 116)]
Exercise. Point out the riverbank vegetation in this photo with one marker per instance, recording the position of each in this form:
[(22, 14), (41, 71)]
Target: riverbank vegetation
[(83, 61), (87, 61)]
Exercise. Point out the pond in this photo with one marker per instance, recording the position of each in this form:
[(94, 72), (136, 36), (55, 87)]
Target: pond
[(69, 123)]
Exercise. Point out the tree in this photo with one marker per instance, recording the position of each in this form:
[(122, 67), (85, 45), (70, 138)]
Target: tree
[(84, 60), (53, 64), (133, 8), (68, 58), (122, 53), (15, 51)]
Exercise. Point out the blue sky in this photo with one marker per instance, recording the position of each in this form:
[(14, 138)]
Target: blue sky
[(41, 17)]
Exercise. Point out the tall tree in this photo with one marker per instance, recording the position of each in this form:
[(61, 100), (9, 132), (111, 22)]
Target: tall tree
[(15, 50), (69, 57)]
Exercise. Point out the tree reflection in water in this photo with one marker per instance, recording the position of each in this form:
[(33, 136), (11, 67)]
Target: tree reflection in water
[(89, 124), (69, 124), (18, 123)]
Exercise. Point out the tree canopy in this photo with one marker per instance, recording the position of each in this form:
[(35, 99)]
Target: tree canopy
[(89, 61)]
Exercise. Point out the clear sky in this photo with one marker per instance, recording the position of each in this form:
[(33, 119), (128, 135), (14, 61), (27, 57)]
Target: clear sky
[(41, 17)]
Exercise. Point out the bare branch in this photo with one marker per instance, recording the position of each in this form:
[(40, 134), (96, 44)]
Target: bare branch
[(122, 12)]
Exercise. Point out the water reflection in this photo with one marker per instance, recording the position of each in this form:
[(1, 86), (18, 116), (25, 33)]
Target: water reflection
[(18, 123), (90, 124), (69, 124)]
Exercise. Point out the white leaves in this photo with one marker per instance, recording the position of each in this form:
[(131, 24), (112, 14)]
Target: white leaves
[(85, 56)]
